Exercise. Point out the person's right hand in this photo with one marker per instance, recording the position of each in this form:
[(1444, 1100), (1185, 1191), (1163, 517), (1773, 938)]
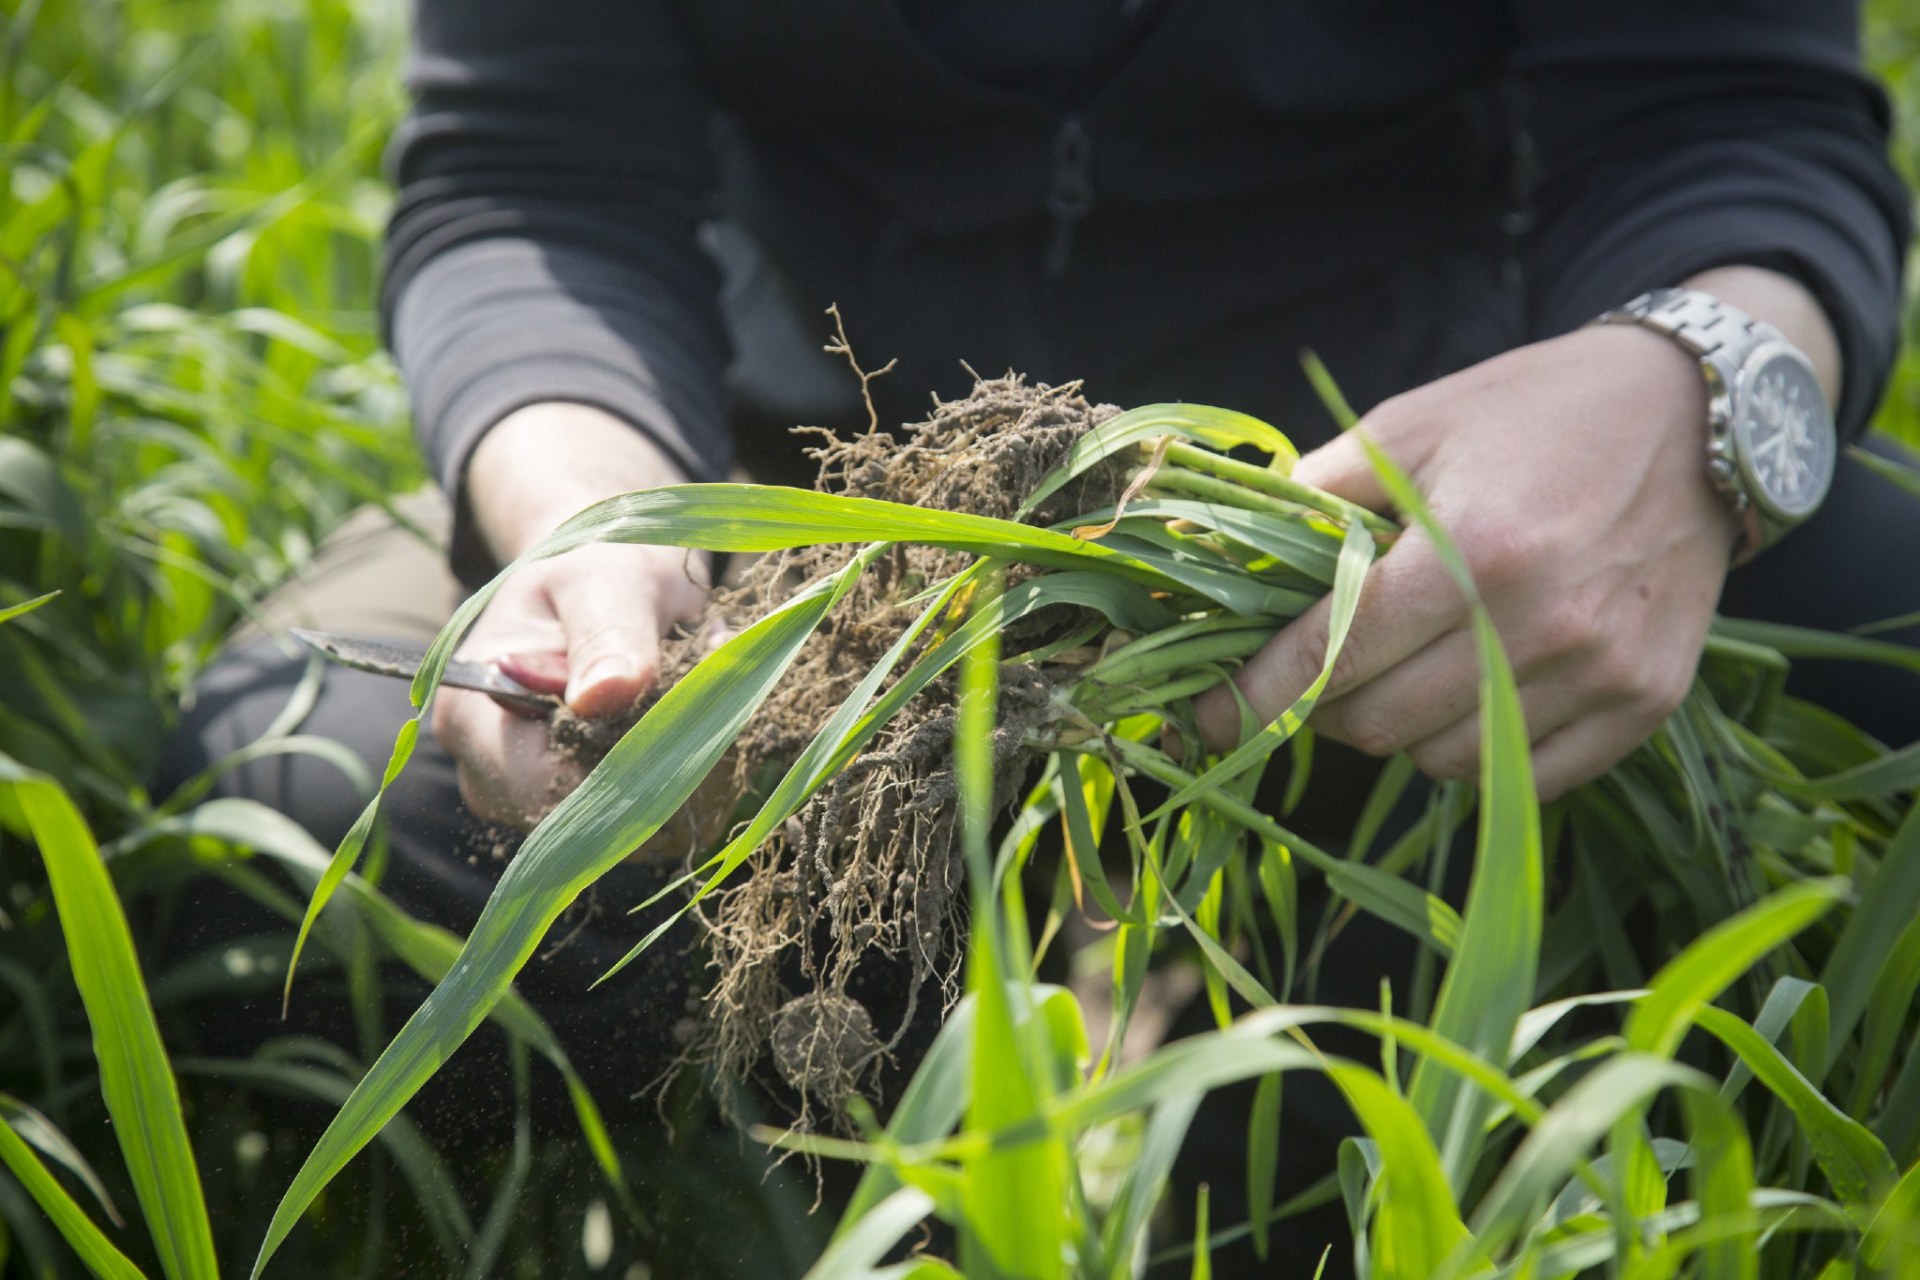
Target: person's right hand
[(585, 625)]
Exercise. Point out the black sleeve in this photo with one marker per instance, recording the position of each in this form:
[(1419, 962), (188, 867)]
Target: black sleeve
[(551, 177), (1670, 136)]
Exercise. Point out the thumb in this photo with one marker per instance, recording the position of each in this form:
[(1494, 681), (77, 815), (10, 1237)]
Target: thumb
[(613, 642), (1341, 467)]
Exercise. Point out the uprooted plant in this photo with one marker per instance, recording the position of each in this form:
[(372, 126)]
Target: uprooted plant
[(1124, 562)]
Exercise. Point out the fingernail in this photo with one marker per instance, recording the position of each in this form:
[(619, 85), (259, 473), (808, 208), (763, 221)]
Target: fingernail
[(602, 670), (545, 671)]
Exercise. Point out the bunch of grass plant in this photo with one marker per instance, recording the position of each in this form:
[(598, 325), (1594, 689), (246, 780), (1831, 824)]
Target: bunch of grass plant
[(1512, 1148), (1113, 619)]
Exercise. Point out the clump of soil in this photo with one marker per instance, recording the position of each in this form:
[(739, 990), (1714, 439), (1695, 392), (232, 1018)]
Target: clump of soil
[(868, 872), (821, 1043)]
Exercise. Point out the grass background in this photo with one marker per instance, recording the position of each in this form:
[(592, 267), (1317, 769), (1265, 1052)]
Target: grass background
[(190, 214)]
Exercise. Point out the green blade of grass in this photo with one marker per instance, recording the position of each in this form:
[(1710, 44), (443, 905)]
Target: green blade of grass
[(429, 950), (640, 784), (1416, 1224), (1546, 1158), (1714, 960), (1014, 1197), (1356, 555), (348, 853), (1220, 429), (1489, 983), (40, 1132), (740, 517), (25, 606), (1893, 1237), (136, 1080), (88, 1242), (1888, 904), (853, 1254), (1124, 1235), (1263, 1158), (1856, 1164), (1808, 642), (1723, 1188)]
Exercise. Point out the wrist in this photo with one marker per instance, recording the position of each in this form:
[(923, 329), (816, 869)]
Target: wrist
[(1769, 429), (543, 463), (1673, 402)]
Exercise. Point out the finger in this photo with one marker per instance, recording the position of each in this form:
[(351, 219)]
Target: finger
[(1427, 693), (507, 771), (1341, 467), (1406, 602), (542, 670), (1551, 701), (1586, 749), (613, 640)]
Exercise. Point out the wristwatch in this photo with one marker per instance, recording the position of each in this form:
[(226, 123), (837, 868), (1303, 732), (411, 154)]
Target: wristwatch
[(1771, 441)]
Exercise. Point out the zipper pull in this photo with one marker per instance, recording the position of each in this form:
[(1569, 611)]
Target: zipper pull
[(1070, 194)]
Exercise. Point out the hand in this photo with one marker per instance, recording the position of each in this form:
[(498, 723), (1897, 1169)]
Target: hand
[(1571, 474), (586, 624)]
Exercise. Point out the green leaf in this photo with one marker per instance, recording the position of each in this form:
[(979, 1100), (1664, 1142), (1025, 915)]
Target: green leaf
[(1538, 1169), (1853, 1159), (1489, 983), (865, 1239), (1893, 1237), (1124, 1235), (1356, 555), (136, 1081), (348, 853), (1220, 429), (1718, 957), (1263, 1157), (1889, 902), (1723, 1188), (657, 766), (1416, 1224), (25, 606), (38, 1131), (1014, 1196), (89, 1243)]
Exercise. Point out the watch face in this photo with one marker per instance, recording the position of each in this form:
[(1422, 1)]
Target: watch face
[(1784, 432)]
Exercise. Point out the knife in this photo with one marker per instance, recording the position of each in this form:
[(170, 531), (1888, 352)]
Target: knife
[(402, 661)]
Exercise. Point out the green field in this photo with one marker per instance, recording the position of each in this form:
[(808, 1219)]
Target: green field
[(195, 395)]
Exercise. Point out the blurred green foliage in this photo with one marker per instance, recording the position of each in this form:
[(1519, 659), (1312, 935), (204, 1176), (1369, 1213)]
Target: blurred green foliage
[(1892, 44), (195, 391)]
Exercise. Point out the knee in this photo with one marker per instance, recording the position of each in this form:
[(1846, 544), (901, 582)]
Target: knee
[(255, 690)]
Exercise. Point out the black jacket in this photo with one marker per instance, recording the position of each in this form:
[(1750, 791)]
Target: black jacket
[(1077, 188)]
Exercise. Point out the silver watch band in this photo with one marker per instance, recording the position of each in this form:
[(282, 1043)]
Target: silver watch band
[(1699, 322)]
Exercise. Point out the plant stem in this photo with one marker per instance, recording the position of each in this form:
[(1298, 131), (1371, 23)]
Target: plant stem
[(1189, 458)]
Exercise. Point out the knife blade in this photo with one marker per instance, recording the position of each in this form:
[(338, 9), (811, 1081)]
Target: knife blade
[(402, 661)]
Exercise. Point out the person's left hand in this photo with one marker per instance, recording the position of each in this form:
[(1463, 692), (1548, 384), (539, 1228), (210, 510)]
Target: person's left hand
[(1572, 475)]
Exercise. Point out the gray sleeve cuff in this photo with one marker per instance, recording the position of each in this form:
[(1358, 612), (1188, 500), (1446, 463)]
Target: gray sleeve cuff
[(494, 325)]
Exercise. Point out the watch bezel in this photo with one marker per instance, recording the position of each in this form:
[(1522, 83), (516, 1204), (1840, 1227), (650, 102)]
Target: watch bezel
[(1739, 411)]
